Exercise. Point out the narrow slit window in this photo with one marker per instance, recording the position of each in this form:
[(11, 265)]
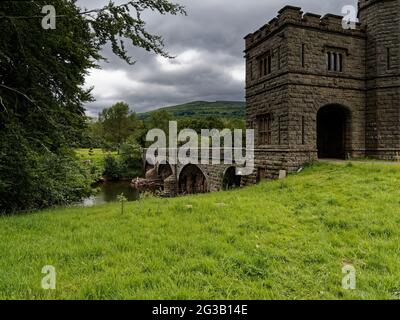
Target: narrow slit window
[(329, 61), (334, 62), (269, 63), (279, 130), (388, 58), (279, 58), (261, 67), (303, 47), (264, 129), (303, 139), (265, 66)]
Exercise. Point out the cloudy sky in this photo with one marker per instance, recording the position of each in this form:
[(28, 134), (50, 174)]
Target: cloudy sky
[(208, 48)]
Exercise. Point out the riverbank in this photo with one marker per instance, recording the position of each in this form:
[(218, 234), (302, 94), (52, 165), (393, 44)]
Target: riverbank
[(277, 240), (115, 170)]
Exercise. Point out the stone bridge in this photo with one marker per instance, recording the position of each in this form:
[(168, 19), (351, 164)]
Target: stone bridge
[(193, 178)]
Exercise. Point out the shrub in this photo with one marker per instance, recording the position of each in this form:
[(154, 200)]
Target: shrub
[(131, 158), (127, 165), (131, 152), (112, 168), (31, 180)]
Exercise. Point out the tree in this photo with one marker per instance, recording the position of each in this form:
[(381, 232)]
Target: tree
[(131, 157), (198, 124), (159, 119), (92, 137), (139, 134), (116, 123), (42, 73)]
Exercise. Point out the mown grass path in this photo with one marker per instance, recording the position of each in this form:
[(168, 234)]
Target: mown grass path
[(282, 239)]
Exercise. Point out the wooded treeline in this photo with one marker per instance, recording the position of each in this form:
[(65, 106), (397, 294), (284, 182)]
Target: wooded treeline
[(42, 73)]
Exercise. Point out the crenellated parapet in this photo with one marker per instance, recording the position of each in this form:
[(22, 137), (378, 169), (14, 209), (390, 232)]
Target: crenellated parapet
[(291, 15)]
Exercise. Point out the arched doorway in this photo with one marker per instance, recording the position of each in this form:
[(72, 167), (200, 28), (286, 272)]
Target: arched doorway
[(230, 180), (332, 132), (192, 180)]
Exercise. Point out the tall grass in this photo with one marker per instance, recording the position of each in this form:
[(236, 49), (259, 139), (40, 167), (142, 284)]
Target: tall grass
[(277, 240)]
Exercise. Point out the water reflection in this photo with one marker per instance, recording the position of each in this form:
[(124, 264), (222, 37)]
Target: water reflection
[(109, 191)]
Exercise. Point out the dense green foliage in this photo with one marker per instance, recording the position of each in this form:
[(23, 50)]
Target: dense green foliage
[(127, 165), (42, 73), (131, 157), (33, 180), (94, 161), (117, 129), (203, 109), (117, 123), (277, 240), (92, 136), (112, 166), (198, 124), (159, 119)]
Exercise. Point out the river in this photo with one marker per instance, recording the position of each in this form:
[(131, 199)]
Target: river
[(109, 191)]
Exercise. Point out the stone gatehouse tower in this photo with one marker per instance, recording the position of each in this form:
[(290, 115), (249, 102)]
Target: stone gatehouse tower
[(314, 89)]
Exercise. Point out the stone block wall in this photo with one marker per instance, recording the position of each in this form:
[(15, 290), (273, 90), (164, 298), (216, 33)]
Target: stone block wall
[(295, 83), (381, 19), (300, 82)]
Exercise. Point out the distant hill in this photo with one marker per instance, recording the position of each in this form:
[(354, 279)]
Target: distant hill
[(199, 109)]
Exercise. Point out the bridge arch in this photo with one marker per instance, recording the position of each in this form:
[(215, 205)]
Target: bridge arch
[(192, 180), (230, 179), (164, 170)]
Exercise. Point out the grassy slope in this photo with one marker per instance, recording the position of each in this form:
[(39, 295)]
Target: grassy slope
[(198, 109), (282, 239)]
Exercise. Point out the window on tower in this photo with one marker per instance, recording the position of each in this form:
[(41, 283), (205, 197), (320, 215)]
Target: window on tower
[(334, 61), (265, 64), (264, 126), (388, 58)]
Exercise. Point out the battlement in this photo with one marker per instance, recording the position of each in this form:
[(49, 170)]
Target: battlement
[(294, 16)]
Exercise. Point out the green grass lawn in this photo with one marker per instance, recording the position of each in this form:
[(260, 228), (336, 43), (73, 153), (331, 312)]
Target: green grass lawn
[(278, 240), (96, 156)]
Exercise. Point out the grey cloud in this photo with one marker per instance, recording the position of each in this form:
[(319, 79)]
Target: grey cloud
[(214, 29)]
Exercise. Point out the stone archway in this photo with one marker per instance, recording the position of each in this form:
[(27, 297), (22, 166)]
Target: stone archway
[(164, 171), (333, 131), (230, 179), (192, 180)]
